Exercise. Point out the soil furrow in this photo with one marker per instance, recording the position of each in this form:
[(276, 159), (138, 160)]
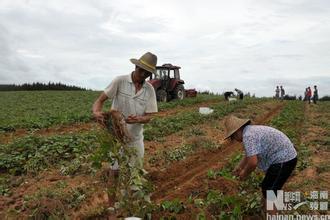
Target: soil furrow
[(171, 182)]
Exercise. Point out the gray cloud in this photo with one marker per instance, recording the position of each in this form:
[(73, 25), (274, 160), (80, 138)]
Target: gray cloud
[(11, 66), (252, 45)]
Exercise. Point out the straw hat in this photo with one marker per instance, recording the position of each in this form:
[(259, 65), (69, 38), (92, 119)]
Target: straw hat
[(147, 62), (232, 124)]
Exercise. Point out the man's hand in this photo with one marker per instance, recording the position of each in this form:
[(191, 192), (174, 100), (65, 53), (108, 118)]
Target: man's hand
[(133, 119), (98, 115), (142, 119), (99, 118)]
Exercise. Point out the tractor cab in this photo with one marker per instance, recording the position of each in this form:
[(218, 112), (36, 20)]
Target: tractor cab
[(167, 83)]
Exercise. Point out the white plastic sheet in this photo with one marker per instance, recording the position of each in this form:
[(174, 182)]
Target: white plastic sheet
[(205, 110)]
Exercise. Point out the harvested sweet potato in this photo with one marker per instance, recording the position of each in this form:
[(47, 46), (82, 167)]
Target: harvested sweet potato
[(115, 123)]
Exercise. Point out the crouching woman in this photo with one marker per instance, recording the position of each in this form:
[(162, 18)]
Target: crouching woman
[(265, 147)]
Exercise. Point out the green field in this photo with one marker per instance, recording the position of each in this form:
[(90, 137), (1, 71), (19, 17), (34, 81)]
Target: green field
[(42, 109), (52, 158)]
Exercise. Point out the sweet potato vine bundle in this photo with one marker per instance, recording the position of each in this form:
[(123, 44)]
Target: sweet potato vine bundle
[(116, 125)]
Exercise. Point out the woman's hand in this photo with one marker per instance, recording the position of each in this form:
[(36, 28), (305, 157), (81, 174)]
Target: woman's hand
[(237, 171)]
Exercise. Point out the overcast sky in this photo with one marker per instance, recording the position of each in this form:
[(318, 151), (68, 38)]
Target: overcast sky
[(253, 45)]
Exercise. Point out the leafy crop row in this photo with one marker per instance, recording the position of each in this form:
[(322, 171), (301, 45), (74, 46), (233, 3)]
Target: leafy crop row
[(52, 202), (290, 121), (34, 153), (40, 109), (189, 101), (160, 127), (181, 152)]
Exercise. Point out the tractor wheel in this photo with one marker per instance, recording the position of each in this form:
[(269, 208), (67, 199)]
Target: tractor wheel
[(179, 92), (161, 95)]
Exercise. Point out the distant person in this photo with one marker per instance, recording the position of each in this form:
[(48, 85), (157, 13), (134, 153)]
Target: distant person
[(315, 95), (135, 98), (309, 94), (305, 94), (282, 92), (265, 147), (228, 94), (277, 92), (239, 93)]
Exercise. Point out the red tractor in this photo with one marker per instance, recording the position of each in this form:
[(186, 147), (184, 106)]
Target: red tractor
[(168, 85)]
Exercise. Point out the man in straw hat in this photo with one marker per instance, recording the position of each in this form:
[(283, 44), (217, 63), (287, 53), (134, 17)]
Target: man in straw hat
[(265, 147), (135, 98)]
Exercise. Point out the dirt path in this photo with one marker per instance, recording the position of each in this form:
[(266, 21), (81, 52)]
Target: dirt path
[(182, 177)]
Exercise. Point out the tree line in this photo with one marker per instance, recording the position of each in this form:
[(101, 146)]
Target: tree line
[(39, 86)]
